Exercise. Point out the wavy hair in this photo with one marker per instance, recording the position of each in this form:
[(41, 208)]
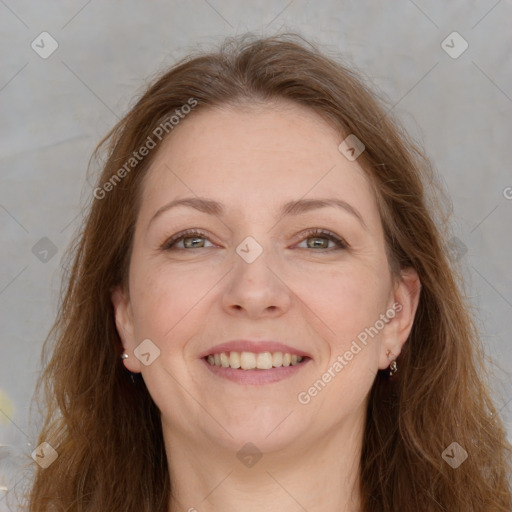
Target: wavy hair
[(106, 429)]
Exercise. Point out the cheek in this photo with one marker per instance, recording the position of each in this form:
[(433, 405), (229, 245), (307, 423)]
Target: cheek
[(167, 301), (156, 303), (350, 305), (347, 301)]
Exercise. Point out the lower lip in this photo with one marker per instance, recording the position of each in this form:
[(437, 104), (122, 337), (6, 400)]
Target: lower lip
[(256, 377)]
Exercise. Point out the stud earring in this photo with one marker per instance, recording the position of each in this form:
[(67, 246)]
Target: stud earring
[(124, 355)]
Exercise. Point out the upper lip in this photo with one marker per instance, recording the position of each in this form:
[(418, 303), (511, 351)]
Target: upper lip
[(253, 346)]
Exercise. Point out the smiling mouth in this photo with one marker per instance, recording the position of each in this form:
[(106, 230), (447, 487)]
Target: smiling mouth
[(253, 360)]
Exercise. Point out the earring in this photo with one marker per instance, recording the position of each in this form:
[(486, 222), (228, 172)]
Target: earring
[(124, 355), (393, 367)]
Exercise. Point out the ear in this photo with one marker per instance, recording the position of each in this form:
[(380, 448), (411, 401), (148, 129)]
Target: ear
[(406, 297), (125, 327)]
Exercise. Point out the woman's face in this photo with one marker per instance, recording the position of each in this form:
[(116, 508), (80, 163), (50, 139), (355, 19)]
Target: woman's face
[(255, 273)]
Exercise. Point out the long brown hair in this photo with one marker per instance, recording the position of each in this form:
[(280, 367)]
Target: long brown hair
[(106, 429)]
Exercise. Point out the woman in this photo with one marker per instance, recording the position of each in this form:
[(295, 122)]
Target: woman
[(260, 313)]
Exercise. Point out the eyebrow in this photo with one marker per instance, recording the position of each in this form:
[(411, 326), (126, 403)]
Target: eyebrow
[(296, 207)]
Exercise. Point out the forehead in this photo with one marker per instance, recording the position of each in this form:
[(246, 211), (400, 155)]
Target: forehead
[(249, 155)]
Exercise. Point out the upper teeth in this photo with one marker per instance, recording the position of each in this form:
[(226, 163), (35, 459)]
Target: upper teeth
[(251, 360)]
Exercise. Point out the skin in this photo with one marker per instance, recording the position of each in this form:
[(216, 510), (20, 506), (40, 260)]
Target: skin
[(254, 159)]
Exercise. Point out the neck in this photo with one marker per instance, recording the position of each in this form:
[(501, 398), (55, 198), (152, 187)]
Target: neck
[(313, 476)]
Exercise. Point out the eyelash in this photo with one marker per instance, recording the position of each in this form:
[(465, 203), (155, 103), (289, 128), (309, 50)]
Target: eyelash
[(310, 233)]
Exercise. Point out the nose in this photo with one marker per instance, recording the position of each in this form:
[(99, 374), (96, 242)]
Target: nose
[(257, 289)]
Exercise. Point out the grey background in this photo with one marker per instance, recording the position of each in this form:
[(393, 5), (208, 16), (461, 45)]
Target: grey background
[(53, 111)]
